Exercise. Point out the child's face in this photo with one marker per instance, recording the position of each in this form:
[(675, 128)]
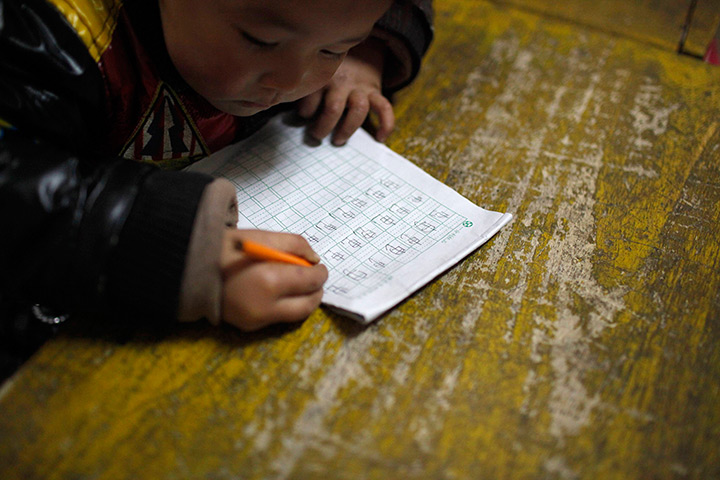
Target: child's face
[(244, 56)]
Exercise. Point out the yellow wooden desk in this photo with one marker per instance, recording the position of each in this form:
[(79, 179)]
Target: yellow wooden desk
[(581, 342)]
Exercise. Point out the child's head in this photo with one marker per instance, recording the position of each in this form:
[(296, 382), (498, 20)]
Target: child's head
[(244, 56)]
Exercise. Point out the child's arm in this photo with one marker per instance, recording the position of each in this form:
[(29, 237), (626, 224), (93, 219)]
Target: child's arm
[(86, 234), (387, 61)]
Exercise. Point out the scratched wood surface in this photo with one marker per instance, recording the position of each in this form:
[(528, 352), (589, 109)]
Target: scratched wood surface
[(652, 22), (581, 342)]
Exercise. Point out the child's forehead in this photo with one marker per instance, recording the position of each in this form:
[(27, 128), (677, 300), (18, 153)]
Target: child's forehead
[(299, 15)]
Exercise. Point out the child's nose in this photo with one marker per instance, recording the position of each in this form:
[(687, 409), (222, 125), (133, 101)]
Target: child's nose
[(284, 77)]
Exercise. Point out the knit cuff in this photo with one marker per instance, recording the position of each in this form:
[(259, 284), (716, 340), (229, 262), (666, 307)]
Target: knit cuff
[(148, 264), (398, 66), (201, 287), (407, 32)]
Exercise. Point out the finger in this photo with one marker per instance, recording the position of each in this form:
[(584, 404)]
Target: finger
[(358, 107), (293, 309), (285, 310), (279, 279), (287, 280), (286, 242), (386, 116), (330, 112), (308, 106), (232, 257)]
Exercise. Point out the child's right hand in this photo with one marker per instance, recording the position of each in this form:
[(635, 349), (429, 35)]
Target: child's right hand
[(259, 293)]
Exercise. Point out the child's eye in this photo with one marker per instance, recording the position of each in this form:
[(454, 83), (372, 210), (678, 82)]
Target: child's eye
[(256, 41), (331, 54)]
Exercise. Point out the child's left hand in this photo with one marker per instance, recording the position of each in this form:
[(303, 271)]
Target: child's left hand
[(354, 91)]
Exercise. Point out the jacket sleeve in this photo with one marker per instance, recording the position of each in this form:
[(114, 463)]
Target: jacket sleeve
[(82, 232), (407, 31)]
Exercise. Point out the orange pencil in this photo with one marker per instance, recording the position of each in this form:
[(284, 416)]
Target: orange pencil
[(258, 251)]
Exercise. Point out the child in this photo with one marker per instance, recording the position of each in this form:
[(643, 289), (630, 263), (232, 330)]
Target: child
[(90, 85)]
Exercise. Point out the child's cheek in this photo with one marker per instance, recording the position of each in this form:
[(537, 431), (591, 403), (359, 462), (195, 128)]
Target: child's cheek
[(209, 77)]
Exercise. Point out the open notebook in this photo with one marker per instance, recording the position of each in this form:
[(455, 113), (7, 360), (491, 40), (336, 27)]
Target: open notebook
[(383, 227)]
